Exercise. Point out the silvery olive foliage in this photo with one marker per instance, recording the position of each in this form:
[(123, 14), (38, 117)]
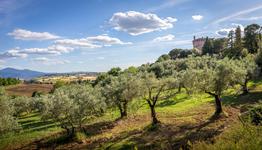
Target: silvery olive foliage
[(121, 90), (22, 105), (73, 105), (211, 75), (7, 121)]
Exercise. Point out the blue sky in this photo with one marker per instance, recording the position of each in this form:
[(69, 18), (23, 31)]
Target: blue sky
[(95, 35)]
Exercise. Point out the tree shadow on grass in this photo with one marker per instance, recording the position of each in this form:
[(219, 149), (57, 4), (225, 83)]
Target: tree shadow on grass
[(28, 116), (250, 98), (170, 102), (165, 135), (99, 127), (38, 124), (62, 138)]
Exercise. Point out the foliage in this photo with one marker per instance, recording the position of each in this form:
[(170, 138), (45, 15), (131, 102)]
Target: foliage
[(163, 57), (208, 47), (251, 41), (9, 81), (255, 115), (7, 121), (21, 105), (179, 53), (247, 70), (58, 84), (121, 91), (114, 71), (152, 90), (72, 105), (211, 75), (239, 137)]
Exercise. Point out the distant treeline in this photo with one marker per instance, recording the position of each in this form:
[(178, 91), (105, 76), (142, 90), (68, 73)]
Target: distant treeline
[(9, 81)]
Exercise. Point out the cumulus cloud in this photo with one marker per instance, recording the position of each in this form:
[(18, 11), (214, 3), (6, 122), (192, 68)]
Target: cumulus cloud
[(13, 53), (48, 61), (91, 42), (197, 17), (106, 40), (22, 34), (136, 23), (225, 31), (76, 43), (23, 53), (168, 37)]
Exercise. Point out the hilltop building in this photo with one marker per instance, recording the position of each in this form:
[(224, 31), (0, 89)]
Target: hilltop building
[(198, 43)]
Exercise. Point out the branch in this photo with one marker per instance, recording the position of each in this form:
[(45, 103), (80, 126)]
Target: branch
[(210, 93)]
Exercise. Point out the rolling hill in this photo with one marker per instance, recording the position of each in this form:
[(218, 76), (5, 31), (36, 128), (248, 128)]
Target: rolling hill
[(21, 74)]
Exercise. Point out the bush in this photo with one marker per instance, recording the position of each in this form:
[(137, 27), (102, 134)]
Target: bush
[(21, 105), (7, 121), (238, 138), (255, 115)]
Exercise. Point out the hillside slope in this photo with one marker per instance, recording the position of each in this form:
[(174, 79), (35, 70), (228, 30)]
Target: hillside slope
[(184, 120)]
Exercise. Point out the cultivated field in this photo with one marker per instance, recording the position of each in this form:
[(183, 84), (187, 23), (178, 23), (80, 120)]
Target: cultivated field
[(28, 89), (69, 78)]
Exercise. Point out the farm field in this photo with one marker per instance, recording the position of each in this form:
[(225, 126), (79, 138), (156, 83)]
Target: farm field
[(184, 120), (68, 79), (28, 89)]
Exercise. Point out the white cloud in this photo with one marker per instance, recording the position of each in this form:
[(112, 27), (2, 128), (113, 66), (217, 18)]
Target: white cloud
[(48, 61), (22, 34), (106, 40), (23, 53), (53, 49), (91, 42), (84, 43), (13, 53), (197, 17), (136, 23), (168, 37), (225, 31)]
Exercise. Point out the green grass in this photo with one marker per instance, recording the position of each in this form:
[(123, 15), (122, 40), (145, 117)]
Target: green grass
[(33, 128)]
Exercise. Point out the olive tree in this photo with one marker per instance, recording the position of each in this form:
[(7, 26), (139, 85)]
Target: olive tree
[(22, 105), (247, 70), (7, 120), (73, 105), (211, 76), (153, 89), (122, 90)]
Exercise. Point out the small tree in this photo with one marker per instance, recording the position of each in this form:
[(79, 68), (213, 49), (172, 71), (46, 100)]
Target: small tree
[(21, 105), (247, 70), (211, 76), (121, 91), (153, 89), (72, 105), (7, 120)]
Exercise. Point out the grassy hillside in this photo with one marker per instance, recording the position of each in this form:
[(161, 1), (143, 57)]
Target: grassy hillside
[(184, 120)]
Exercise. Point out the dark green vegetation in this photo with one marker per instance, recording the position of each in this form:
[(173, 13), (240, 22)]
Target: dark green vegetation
[(9, 81), (183, 100)]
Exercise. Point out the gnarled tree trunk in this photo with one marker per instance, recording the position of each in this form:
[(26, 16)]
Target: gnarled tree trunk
[(217, 97), (218, 105), (244, 87), (153, 113)]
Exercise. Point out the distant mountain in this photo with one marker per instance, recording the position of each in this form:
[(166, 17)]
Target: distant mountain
[(21, 74)]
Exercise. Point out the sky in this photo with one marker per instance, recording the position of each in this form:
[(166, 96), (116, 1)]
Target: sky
[(96, 35)]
